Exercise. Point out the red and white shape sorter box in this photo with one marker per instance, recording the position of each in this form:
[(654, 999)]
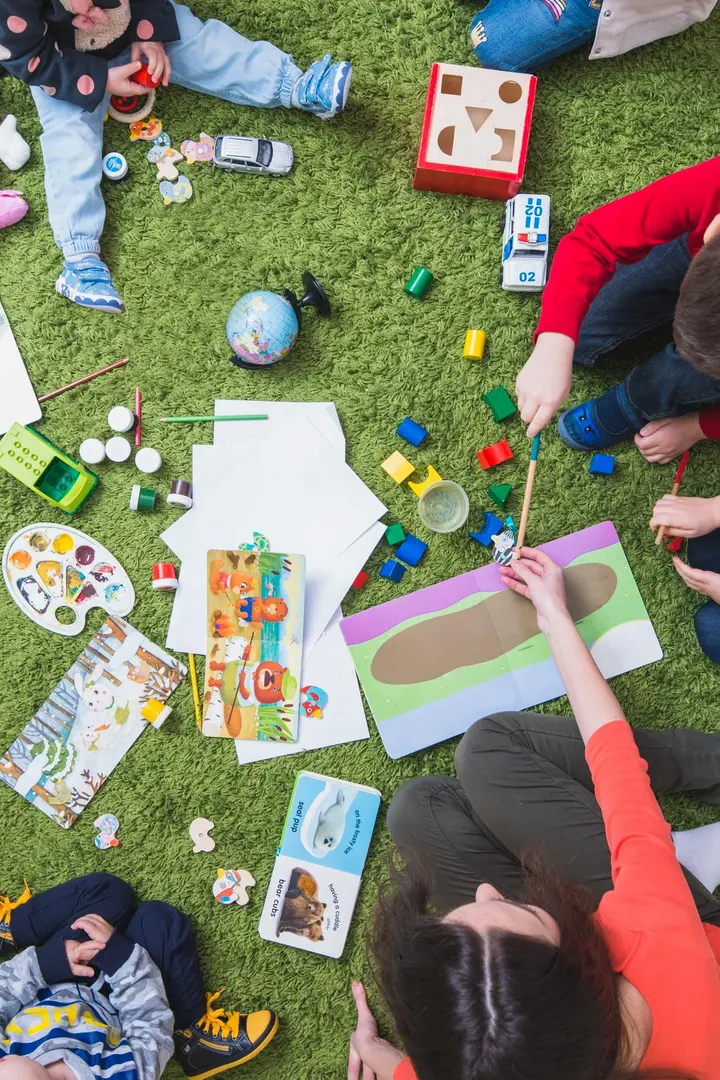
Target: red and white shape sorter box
[(476, 131)]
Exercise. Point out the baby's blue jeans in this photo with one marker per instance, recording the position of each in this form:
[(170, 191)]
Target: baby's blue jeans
[(209, 57), (524, 35)]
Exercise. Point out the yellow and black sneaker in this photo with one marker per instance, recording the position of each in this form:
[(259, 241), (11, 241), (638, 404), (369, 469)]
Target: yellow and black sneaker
[(7, 906), (222, 1040)]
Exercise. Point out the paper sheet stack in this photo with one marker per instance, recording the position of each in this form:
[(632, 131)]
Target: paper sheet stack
[(285, 477)]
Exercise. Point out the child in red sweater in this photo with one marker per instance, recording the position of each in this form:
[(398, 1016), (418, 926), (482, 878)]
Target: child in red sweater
[(646, 262)]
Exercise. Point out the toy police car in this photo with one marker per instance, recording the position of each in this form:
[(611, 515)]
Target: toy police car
[(526, 241), (259, 156)]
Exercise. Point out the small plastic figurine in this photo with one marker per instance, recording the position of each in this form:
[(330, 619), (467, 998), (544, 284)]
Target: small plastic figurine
[(504, 547)]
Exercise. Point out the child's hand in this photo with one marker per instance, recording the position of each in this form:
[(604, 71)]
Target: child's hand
[(661, 441), (87, 15), (535, 576), (120, 82), (80, 953), (704, 582), (544, 383), (158, 61), (686, 516), (95, 927)]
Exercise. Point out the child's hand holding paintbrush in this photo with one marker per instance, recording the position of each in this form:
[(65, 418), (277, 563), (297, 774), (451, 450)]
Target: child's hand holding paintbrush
[(683, 516)]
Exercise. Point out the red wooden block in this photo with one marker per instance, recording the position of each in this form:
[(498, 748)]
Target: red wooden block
[(360, 580), (495, 454), (475, 131)]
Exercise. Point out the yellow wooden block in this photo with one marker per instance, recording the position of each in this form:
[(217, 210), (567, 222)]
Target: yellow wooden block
[(432, 478), (398, 467), (474, 345)]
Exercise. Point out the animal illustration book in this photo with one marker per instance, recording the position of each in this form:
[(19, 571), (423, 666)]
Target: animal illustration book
[(318, 869), (434, 661), (256, 601), (92, 718)]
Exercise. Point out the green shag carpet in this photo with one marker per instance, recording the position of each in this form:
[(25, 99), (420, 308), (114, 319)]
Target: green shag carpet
[(349, 213)]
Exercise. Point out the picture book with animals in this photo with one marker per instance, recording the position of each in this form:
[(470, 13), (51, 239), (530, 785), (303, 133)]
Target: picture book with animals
[(431, 662), (256, 601), (318, 869), (101, 706)]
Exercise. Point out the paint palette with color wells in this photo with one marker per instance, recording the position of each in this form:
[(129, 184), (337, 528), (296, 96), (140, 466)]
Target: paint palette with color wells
[(57, 574)]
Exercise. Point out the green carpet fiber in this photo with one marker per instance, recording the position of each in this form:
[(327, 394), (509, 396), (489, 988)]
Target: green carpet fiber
[(349, 213)]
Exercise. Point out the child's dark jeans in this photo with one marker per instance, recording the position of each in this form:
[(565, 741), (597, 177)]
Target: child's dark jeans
[(703, 553), (639, 299), (160, 928)]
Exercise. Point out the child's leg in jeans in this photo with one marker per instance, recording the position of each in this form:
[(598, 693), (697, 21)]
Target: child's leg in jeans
[(72, 151), (54, 911), (167, 935), (524, 35), (703, 553), (213, 59)]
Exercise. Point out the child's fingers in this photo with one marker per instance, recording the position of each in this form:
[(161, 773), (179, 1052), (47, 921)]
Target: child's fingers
[(517, 586), (82, 970), (354, 1063)]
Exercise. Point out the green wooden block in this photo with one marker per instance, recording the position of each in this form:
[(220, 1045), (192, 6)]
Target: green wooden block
[(395, 534), (500, 403), (499, 493)]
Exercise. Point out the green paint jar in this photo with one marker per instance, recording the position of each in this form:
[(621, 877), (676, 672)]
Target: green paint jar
[(142, 498)]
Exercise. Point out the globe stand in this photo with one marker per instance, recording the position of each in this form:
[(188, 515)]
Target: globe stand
[(315, 296)]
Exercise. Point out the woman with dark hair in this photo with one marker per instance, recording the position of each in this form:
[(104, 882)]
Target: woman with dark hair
[(516, 975)]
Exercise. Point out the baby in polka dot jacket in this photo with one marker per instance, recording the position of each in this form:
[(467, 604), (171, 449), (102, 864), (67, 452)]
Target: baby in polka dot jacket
[(74, 54)]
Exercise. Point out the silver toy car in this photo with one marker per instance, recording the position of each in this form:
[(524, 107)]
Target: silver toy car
[(260, 156)]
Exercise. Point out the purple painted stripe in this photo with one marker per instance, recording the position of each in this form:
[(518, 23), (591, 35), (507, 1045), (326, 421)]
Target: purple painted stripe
[(369, 624)]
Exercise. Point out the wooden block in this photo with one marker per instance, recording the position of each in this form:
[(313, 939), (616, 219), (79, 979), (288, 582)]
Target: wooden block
[(395, 534), (398, 467), (495, 454), (432, 478)]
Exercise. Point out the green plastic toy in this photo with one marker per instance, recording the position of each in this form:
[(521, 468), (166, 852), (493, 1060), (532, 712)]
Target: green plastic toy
[(395, 534), (500, 404), (46, 470), (499, 494)]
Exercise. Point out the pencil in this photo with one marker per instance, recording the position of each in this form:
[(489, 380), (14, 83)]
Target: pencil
[(534, 451), (81, 382), (138, 413), (675, 487), (208, 419), (195, 691)]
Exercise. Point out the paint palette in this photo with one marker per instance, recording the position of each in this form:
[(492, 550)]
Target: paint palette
[(57, 574)]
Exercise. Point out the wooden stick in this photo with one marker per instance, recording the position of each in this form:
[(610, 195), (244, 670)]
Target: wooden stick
[(675, 487), (195, 691), (80, 382), (535, 450), (138, 413)]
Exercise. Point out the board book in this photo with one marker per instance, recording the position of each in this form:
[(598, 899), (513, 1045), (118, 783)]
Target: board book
[(101, 706), (318, 869), (256, 603), (434, 661)]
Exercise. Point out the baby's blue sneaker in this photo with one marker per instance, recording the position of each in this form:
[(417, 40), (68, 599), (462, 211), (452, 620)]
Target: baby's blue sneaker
[(87, 282), (599, 423), (324, 88)]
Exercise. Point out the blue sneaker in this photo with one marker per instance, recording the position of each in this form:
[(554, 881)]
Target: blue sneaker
[(582, 428), (87, 282), (324, 88)]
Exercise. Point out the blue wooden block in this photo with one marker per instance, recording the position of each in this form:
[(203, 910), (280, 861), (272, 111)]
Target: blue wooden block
[(411, 550), (602, 465), (392, 570), (411, 432), (492, 524)]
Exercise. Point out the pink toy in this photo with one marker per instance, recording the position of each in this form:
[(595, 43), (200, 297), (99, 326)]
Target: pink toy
[(202, 150), (12, 207)]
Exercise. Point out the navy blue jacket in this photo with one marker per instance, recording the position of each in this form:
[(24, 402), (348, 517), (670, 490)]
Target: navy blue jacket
[(39, 44)]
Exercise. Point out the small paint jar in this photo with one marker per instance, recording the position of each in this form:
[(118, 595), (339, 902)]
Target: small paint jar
[(181, 494), (164, 577), (148, 460), (115, 166), (142, 498), (118, 449), (92, 451), (419, 283), (121, 419), (443, 507)]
